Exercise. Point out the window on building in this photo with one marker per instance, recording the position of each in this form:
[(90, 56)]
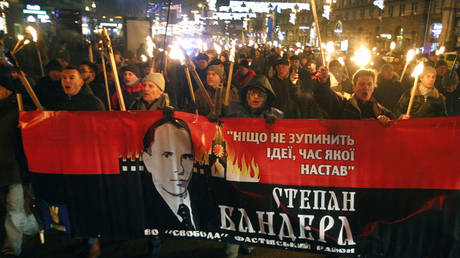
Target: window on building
[(362, 12), (390, 11), (414, 7), (371, 12), (402, 9)]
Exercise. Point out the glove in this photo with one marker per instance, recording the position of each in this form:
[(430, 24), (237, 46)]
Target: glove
[(213, 118), (269, 118), (168, 112)]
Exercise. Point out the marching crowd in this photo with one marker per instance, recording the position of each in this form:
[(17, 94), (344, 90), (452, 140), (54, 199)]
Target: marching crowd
[(265, 84)]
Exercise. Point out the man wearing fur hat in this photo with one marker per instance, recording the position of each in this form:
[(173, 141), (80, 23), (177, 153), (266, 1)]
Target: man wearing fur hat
[(153, 95), (131, 86), (428, 101), (361, 105), (214, 86), (17, 222)]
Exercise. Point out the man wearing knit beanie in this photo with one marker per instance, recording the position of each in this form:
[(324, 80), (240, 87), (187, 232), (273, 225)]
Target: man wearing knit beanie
[(153, 96), (427, 102), (131, 86), (215, 75), (214, 80)]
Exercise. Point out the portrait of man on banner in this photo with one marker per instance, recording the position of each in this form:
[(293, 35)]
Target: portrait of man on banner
[(168, 158)]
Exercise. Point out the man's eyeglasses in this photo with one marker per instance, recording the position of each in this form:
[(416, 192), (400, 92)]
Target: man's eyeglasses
[(259, 92)]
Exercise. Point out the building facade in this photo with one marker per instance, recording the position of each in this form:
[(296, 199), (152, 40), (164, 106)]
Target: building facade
[(409, 23)]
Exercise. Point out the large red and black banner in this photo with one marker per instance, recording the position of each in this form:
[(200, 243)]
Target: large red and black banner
[(325, 186)]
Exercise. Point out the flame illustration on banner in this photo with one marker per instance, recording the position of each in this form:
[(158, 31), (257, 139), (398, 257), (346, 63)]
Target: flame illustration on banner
[(226, 164), (239, 170)]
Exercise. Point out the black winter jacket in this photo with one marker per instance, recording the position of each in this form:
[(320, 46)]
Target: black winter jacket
[(83, 101), (338, 107), (432, 105), (10, 143)]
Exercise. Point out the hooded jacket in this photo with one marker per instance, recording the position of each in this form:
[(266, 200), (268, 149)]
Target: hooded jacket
[(84, 100), (242, 109)]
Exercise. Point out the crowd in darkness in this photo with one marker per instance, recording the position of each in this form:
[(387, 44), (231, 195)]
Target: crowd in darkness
[(266, 83)]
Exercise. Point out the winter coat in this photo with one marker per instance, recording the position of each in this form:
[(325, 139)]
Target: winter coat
[(241, 108), (240, 80), (217, 96), (84, 100), (388, 92), (259, 64), (10, 143), (308, 107), (432, 105), (100, 91), (48, 92), (453, 102), (338, 107), (130, 94), (285, 92), (160, 103)]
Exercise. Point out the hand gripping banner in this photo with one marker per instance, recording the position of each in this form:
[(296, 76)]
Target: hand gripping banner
[(323, 186)]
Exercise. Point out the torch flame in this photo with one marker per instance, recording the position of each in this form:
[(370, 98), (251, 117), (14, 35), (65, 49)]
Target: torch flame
[(330, 47), (418, 70), (232, 52), (440, 51), (362, 57), (176, 53), (218, 48), (33, 32), (20, 37), (341, 61), (392, 45), (26, 42), (143, 58), (150, 46), (410, 55)]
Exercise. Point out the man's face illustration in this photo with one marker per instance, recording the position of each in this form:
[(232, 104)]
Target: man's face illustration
[(171, 159)]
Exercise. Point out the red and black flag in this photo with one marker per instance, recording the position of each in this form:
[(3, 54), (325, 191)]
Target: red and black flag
[(331, 187)]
